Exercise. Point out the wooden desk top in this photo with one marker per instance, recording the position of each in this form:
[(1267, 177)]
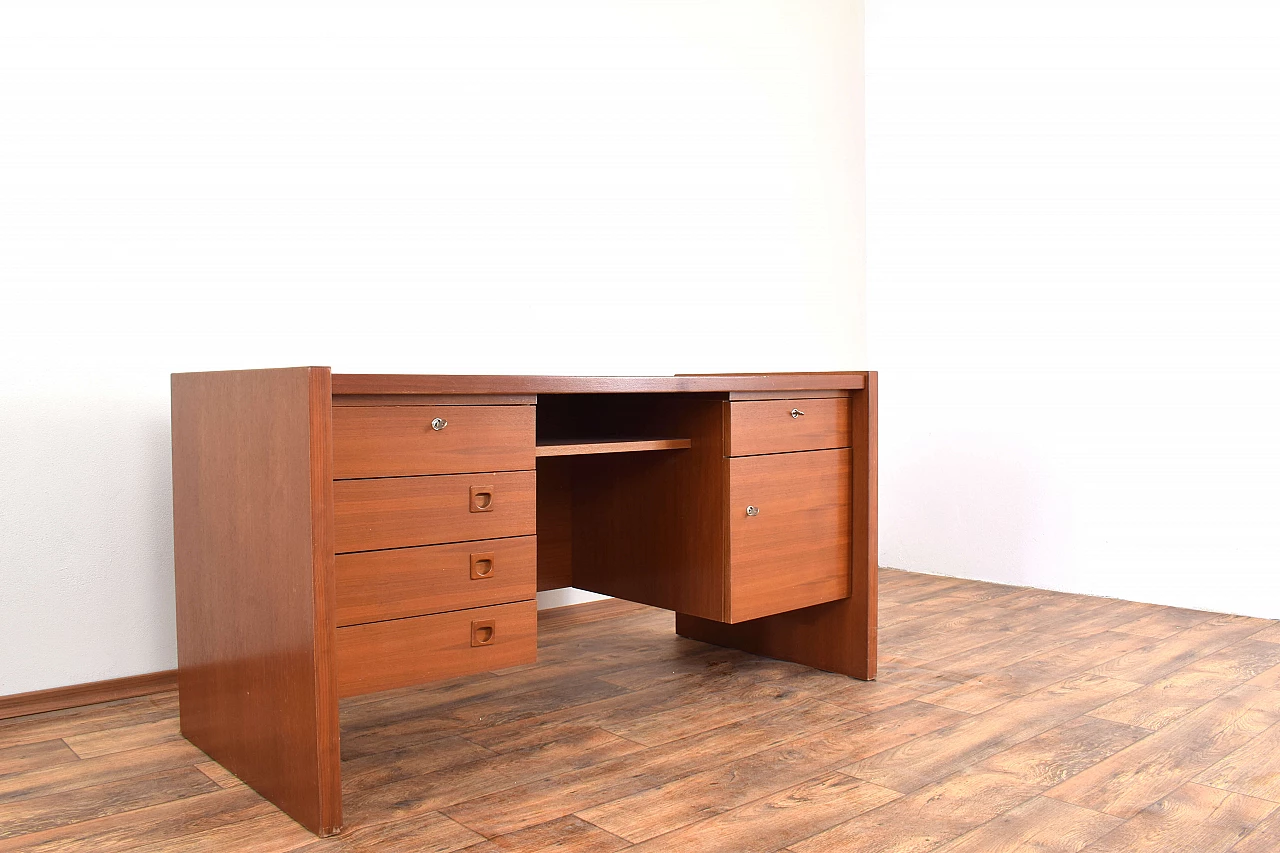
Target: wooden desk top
[(403, 383)]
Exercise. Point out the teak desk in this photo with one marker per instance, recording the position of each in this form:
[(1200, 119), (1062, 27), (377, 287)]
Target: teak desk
[(340, 535)]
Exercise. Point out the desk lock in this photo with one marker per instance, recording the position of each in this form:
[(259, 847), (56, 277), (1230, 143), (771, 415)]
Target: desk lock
[(438, 424), (753, 511), (795, 413)]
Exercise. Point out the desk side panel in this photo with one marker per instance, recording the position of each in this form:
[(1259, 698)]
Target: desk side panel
[(838, 636), (253, 555)]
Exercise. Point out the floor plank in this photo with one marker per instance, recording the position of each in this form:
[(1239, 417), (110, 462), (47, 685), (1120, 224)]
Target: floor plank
[(1140, 775), (565, 833), (1176, 651), (62, 777), (697, 796), (581, 789), (1180, 692), (123, 738), (1253, 769), (25, 816), (1005, 719), (31, 756), (425, 833), (774, 822), (1264, 838), (1166, 622), (165, 822), (926, 818), (1006, 683), (1040, 824), (1191, 819), (937, 754)]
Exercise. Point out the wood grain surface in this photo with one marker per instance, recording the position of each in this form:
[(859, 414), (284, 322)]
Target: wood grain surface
[(401, 512), (75, 695), (806, 635), (578, 447), (795, 551), (395, 383), (399, 441), (623, 735), (767, 426), (253, 553), (402, 652), (377, 585), (555, 522)]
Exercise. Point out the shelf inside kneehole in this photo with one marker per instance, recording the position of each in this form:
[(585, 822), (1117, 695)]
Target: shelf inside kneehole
[(583, 447)]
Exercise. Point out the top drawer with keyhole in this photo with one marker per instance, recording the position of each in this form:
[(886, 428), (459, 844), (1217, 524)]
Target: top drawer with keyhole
[(756, 427), (405, 441)]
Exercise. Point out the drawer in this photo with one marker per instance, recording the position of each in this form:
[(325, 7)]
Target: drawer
[(769, 426), (378, 585), (400, 512), (794, 549), (403, 652), (401, 441)]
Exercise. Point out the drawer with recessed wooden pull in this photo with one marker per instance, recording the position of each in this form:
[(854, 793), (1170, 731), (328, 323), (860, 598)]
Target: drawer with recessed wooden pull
[(401, 652), (401, 512), (377, 585), (755, 427), (402, 441)]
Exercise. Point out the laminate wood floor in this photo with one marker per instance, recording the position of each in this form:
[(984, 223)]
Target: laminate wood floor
[(1004, 719)]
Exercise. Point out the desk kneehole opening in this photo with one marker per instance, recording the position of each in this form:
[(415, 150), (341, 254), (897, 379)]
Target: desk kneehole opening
[(483, 632)]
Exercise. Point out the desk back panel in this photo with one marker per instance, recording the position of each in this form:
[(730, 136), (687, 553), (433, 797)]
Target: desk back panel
[(555, 522)]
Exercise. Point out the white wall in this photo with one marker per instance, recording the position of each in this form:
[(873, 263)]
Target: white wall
[(453, 187), (1074, 294)]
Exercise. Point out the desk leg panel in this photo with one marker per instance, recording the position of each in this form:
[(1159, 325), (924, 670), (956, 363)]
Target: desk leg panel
[(253, 559), (838, 636)]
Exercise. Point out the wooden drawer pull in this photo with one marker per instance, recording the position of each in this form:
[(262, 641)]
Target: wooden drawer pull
[(482, 566), (483, 632), (481, 499)]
